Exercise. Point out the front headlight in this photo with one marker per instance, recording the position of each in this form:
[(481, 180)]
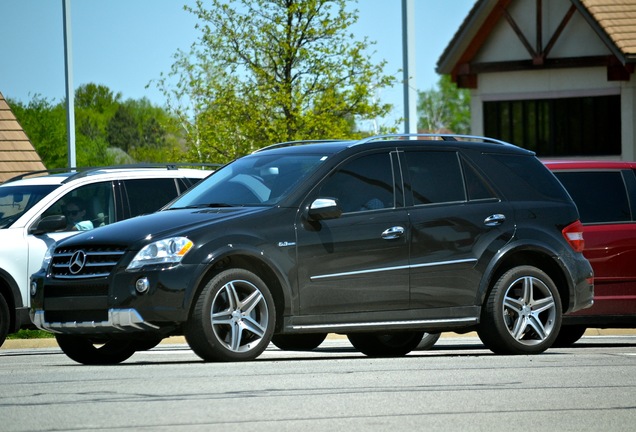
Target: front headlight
[(167, 251)]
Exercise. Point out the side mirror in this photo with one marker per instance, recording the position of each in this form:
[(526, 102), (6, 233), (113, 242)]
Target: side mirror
[(49, 224), (324, 208)]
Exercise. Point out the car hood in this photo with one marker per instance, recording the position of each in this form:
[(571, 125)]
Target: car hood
[(141, 229)]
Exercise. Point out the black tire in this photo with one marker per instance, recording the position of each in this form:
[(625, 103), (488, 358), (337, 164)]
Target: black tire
[(522, 313), (428, 340), (395, 344), (298, 342), (569, 335), (89, 351), (233, 318), (4, 319)]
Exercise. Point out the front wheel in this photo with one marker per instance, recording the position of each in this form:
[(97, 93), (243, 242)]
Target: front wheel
[(89, 351), (233, 318), (395, 344), (522, 314)]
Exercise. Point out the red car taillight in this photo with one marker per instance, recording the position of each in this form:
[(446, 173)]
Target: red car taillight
[(573, 233)]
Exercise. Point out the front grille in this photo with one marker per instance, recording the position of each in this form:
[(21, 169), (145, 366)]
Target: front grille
[(85, 262)]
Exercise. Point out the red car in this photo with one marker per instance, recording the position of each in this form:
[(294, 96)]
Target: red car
[(605, 194)]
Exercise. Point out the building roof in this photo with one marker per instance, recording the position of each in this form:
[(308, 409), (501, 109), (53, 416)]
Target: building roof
[(617, 18), (614, 21), (17, 154)]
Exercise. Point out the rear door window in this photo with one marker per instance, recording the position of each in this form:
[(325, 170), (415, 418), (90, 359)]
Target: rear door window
[(434, 177), (600, 196)]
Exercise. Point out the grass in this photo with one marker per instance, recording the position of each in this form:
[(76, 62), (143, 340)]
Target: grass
[(30, 334)]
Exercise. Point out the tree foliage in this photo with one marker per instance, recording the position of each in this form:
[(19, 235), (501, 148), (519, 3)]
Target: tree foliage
[(266, 71), (445, 108), (108, 130)]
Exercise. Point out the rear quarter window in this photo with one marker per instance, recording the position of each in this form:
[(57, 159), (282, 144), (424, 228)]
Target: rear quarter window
[(524, 178), (600, 195)]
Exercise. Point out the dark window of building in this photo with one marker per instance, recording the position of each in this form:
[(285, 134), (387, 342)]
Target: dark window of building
[(585, 126)]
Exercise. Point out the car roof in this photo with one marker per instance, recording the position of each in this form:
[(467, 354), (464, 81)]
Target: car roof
[(123, 172), (398, 140), (588, 164)]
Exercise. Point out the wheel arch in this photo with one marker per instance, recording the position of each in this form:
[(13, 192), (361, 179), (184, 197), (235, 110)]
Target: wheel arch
[(539, 257), (252, 261)]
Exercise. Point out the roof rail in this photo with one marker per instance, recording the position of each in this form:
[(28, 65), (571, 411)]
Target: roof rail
[(442, 137), (85, 171), (299, 142)]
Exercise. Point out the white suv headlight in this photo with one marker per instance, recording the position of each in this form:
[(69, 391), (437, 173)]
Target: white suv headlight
[(171, 250)]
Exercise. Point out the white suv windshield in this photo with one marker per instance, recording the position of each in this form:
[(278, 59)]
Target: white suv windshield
[(16, 200), (252, 180)]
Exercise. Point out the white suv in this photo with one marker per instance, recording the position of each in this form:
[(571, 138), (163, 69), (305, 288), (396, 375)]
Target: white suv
[(37, 211)]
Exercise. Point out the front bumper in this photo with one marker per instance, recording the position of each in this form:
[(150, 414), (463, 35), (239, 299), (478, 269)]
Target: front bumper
[(119, 320), (112, 305)]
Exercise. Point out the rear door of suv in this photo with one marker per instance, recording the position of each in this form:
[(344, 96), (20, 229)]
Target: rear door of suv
[(455, 218)]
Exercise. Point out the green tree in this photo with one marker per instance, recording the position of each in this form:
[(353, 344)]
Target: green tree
[(271, 70), (108, 130), (445, 108), (122, 130), (45, 124)]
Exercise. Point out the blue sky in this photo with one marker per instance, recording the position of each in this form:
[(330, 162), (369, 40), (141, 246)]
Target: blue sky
[(124, 44)]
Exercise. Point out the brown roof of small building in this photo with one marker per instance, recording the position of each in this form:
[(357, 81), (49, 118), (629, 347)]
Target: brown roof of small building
[(17, 154), (614, 21), (618, 19)]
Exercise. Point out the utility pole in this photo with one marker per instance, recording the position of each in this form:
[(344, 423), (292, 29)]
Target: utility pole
[(70, 94), (408, 59)]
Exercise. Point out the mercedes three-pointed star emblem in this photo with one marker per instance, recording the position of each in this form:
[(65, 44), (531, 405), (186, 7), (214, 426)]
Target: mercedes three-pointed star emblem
[(78, 260)]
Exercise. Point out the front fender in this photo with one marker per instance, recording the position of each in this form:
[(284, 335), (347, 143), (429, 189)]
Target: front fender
[(274, 266)]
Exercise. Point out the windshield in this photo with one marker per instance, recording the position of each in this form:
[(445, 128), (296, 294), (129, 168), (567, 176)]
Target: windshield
[(254, 180), (16, 200)]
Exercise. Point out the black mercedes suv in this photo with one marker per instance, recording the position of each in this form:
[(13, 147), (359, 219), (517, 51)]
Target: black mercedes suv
[(380, 239)]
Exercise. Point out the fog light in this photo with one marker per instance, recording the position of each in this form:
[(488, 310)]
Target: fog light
[(142, 285), (34, 288)]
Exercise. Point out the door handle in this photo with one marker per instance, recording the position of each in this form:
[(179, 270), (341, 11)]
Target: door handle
[(494, 220), (393, 233)]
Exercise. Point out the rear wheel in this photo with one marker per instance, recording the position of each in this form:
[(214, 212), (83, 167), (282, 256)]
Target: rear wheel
[(233, 318), (386, 344), (568, 335), (522, 314), (90, 351), (298, 342)]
